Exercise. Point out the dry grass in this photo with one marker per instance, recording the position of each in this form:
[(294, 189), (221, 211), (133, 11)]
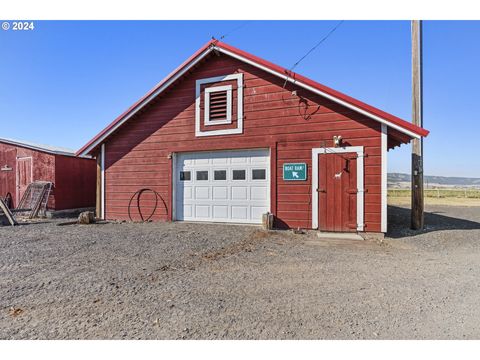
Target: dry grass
[(439, 193), (450, 201)]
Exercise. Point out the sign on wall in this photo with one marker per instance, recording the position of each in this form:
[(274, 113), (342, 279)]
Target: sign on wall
[(297, 171)]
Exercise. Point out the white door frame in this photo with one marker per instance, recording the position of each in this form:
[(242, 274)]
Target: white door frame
[(17, 185), (360, 190)]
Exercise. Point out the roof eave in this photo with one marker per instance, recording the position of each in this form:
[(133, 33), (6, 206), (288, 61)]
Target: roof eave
[(36, 148), (385, 118), (157, 89)]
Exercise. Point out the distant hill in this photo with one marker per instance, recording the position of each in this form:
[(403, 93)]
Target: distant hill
[(403, 180)]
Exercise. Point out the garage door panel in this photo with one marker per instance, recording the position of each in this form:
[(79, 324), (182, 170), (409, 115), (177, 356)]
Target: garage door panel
[(258, 211), (187, 211), (220, 193), (239, 212), (202, 193), (202, 161), (202, 211), (239, 160), (259, 160), (221, 196), (185, 162), (239, 193), (220, 161), (220, 212), (187, 192), (258, 193)]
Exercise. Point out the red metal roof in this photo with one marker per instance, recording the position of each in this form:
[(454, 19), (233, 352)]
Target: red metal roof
[(255, 60)]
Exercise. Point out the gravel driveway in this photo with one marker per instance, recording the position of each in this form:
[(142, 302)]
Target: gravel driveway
[(201, 281)]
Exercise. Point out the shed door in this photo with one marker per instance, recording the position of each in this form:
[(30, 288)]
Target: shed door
[(24, 175), (7, 173), (337, 192), (223, 186)]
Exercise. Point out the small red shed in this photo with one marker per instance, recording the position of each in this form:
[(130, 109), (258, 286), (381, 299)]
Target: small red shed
[(227, 137), (73, 177)]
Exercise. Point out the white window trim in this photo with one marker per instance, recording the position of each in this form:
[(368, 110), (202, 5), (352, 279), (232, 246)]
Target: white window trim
[(360, 187), (239, 128), (214, 89)]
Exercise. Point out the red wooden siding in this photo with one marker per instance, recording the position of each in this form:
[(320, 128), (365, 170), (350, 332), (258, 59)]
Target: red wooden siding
[(75, 182), (233, 125), (290, 125), (43, 166), (24, 175), (337, 197), (74, 178), (8, 156)]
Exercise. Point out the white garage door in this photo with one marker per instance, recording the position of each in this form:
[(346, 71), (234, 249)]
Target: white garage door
[(223, 186)]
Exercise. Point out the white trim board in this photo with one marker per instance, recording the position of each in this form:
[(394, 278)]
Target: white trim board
[(253, 63), (239, 128), (360, 186), (214, 89), (173, 179), (384, 147), (102, 168)]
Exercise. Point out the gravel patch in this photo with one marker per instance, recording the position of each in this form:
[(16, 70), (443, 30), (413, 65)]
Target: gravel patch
[(205, 281)]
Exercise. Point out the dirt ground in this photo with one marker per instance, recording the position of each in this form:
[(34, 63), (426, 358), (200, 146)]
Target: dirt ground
[(203, 281)]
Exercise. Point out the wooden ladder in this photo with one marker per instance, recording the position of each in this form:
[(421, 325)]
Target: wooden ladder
[(5, 213), (35, 199)]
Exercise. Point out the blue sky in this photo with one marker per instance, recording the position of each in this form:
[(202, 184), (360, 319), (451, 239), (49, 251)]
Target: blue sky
[(64, 81)]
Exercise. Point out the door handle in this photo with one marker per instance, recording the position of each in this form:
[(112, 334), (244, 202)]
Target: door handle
[(321, 190)]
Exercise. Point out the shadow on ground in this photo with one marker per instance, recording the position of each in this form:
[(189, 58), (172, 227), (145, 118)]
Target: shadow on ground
[(399, 222)]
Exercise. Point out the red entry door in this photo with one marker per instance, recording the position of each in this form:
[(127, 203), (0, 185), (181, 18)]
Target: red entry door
[(24, 176), (337, 192)]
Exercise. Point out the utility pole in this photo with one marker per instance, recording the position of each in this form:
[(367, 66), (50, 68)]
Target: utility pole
[(417, 119)]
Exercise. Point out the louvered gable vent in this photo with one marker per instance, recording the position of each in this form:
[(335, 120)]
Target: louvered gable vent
[(218, 105)]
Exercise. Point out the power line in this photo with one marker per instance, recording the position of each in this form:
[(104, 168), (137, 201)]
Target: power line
[(234, 29), (313, 48)]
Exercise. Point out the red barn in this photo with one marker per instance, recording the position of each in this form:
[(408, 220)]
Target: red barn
[(73, 177), (227, 137)]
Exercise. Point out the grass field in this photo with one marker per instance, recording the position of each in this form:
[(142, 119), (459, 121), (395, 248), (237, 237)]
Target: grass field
[(451, 197), (453, 201), (439, 193)]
